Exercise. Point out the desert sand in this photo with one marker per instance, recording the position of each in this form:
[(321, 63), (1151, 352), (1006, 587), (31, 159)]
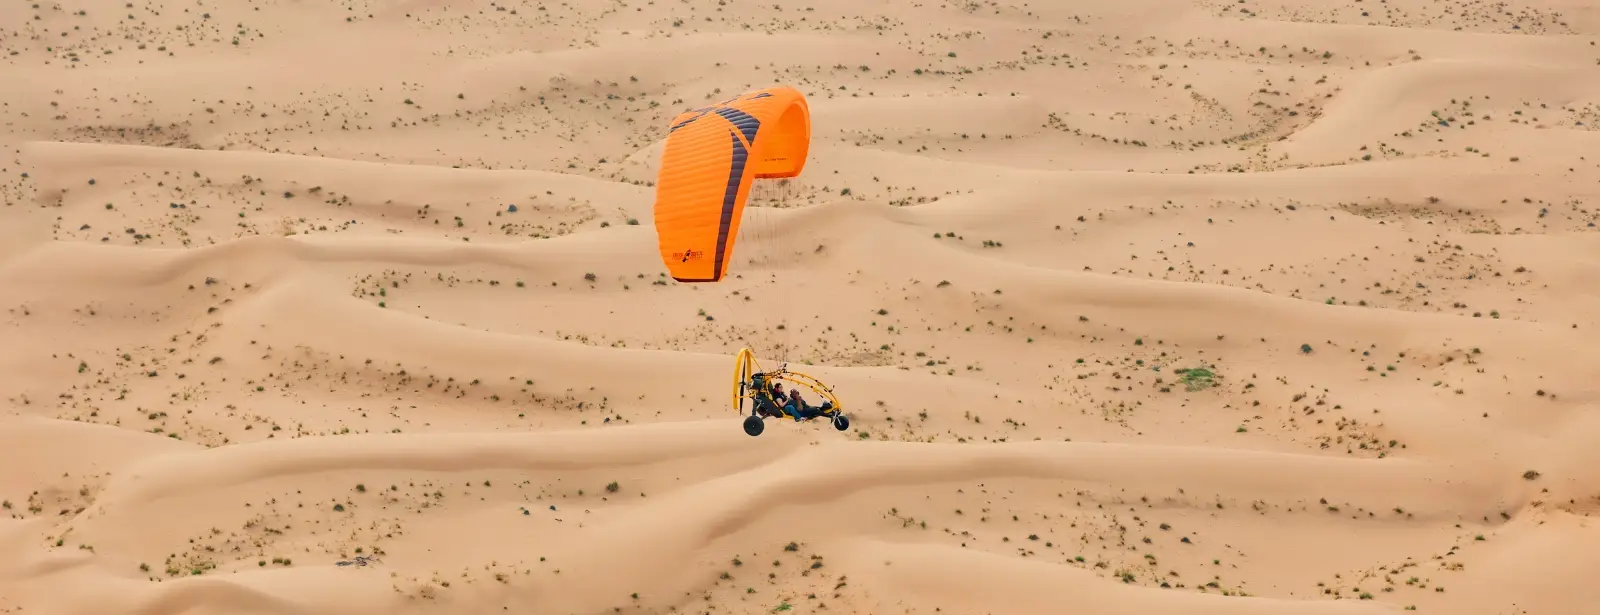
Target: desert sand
[(1137, 306)]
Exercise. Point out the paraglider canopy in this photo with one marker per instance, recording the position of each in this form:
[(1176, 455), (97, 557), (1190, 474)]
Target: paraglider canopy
[(712, 156)]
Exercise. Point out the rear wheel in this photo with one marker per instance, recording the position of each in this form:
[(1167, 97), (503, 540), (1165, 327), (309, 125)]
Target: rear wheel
[(841, 422), (753, 425)]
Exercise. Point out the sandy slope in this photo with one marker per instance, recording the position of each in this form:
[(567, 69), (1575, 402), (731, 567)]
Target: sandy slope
[(268, 308)]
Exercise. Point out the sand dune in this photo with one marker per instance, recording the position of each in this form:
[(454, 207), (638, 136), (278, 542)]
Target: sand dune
[(1217, 307)]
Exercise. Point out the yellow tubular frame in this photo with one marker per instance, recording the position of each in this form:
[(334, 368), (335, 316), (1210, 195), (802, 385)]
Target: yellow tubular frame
[(744, 365)]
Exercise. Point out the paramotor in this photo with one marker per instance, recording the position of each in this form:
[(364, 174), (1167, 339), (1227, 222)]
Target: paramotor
[(712, 157), (752, 383)]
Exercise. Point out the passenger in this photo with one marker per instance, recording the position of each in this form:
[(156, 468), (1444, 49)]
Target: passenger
[(797, 407)]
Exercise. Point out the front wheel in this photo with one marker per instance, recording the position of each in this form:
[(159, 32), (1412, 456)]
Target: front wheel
[(753, 425), (841, 422)]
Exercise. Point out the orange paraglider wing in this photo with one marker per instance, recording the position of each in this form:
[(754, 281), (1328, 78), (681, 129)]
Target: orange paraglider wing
[(711, 157)]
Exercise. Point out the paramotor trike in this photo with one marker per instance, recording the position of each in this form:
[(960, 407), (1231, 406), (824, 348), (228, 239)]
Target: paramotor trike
[(752, 383)]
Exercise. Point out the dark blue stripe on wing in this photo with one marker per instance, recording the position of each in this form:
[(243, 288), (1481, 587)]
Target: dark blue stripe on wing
[(746, 123), (698, 113), (729, 196)]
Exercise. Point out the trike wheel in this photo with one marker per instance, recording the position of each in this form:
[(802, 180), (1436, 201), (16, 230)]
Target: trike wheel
[(753, 425)]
